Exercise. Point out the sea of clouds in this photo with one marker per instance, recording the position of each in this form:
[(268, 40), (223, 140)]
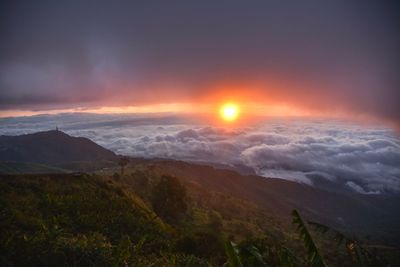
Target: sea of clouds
[(334, 154)]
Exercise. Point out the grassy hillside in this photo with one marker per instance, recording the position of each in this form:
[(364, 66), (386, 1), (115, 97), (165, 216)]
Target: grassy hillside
[(22, 167), (87, 219), (143, 218), (59, 220), (367, 216)]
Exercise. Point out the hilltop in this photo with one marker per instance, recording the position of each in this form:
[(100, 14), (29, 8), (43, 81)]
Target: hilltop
[(54, 148)]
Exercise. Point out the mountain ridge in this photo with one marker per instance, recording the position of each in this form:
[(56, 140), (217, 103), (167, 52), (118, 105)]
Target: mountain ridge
[(51, 147)]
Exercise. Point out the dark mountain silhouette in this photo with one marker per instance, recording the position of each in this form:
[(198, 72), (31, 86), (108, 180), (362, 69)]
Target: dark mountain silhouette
[(51, 147)]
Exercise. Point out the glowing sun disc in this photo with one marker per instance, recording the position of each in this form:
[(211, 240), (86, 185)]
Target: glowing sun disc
[(229, 112)]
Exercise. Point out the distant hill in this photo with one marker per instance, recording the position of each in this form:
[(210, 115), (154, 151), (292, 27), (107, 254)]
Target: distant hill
[(51, 148), (8, 167)]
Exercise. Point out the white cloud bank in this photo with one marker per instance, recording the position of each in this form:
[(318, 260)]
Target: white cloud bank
[(362, 159)]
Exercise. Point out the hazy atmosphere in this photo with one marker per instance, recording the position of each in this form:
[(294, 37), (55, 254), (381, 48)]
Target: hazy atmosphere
[(320, 57), (200, 133)]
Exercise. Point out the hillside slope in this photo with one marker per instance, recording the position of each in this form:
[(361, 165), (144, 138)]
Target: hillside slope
[(70, 220), (364, 215), (103, 220), (51, 147)]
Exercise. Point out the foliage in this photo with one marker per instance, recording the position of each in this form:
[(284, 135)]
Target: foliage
[(251, 256), (232, 254), (93, 220), (122, 162), (360, 254), (204, 243), (169, 199), (313, 255), (65, 220), (243, 255)]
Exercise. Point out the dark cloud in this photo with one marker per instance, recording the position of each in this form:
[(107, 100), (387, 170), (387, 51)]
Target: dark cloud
[(322, 55), (333, 153)]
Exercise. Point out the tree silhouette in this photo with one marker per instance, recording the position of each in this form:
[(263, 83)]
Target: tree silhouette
[(169, 199), (122, 162)]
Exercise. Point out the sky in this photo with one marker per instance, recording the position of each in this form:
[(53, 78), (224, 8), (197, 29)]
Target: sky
[(288, 57)]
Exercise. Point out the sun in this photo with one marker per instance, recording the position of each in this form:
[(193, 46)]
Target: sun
[(229, 111)]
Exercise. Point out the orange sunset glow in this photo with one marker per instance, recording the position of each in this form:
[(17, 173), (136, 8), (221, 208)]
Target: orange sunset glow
[(199, 133), (229, 112)]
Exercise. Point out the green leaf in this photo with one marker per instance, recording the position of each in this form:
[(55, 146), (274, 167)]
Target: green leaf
[(231, 252), (314, 257)]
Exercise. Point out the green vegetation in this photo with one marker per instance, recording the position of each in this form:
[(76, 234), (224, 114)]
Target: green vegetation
[(122, 162), (314, 258), (146, 218), (18, 167), (245, 255), (169, 199), (70, 220)]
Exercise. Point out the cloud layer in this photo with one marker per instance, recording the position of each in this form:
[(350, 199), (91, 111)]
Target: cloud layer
[(323, 153)]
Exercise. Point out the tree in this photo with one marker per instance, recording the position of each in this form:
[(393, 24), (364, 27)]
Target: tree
[(169, 199), (123, 161)]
